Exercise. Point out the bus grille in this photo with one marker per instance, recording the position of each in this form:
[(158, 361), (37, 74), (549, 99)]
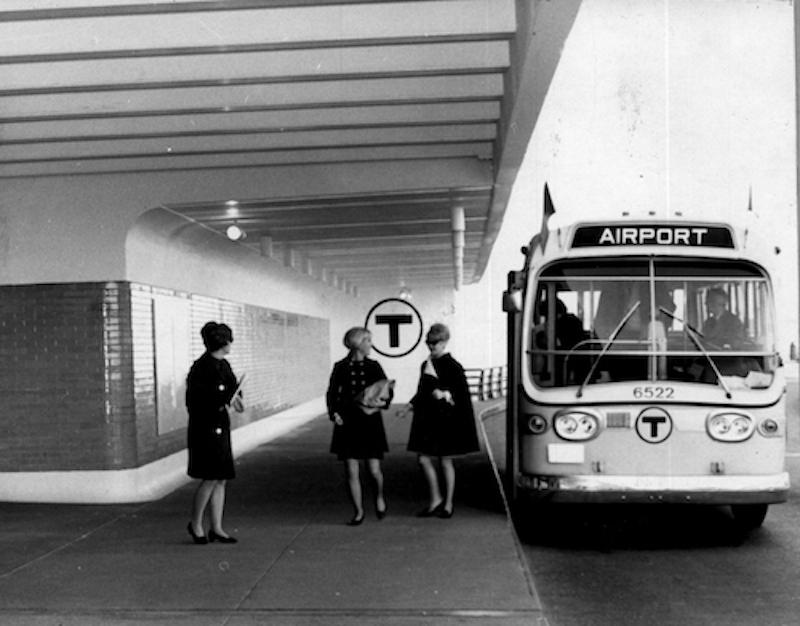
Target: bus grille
[(618, 419)]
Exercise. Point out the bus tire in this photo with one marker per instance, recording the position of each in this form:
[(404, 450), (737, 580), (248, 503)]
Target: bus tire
[(749, 516)]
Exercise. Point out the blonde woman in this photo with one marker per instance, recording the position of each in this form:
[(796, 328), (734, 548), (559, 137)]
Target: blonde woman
[(358, 433)]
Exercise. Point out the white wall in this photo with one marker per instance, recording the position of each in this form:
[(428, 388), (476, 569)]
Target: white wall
[(434, 305), (167, 250), (666, 106)]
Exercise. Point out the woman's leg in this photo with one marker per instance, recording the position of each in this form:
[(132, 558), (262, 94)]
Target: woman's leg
[(201, 498), (429, 471), (354, 486), (218, 507), (449, 472), (377, 475)]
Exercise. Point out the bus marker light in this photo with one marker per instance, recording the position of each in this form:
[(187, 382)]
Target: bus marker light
[(769, 428), (576, 425), (537, 424), (730, 426), (717, 467)]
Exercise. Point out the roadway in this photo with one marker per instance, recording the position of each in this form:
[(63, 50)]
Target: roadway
[(663, 565)]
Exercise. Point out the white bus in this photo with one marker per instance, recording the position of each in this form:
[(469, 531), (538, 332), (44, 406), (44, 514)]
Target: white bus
[(643, 368)]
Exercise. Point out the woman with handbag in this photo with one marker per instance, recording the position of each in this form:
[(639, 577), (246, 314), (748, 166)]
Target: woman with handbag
[(357, 392), (211, 387), (444, 422)]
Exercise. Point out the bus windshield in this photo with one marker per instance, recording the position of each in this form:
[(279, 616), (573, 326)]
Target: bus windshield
[(652, 319)]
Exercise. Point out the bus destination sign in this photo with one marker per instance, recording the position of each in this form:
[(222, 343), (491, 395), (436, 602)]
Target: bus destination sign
[(693, 235)]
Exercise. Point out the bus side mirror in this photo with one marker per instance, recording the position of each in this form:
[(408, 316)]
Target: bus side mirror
[(512, 301)]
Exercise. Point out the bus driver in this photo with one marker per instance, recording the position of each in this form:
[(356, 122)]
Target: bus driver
[(722, 330)]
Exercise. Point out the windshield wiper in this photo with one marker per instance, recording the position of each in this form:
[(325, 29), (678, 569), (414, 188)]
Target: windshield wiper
[(693, 335), (608, 345)]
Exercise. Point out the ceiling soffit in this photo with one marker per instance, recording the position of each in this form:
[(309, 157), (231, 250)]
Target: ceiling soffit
[(115, 86)]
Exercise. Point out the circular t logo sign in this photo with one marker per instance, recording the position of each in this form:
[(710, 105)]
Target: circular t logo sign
[(396, 327)]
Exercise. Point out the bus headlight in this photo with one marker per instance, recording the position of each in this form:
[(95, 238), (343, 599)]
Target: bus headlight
[(730, 426), (537, 424), (576, 425)]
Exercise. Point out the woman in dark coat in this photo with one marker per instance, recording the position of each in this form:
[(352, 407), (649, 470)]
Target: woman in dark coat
[(211, 387), (358, 433), (444, 422)]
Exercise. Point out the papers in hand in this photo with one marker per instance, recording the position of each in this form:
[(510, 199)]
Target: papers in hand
[(237, 393), (376, 397)]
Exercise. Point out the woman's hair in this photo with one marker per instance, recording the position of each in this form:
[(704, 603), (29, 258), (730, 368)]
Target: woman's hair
[(216, 336), (438, 332), (354, 337)]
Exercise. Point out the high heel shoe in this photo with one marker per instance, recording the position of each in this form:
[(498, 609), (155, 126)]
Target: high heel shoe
[(356, 521), (212, 536), (198, 539), (431, 512), (444, 513), (381, 513)]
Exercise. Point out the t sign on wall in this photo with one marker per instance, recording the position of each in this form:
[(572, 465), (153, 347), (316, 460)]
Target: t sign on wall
[(396, 327)]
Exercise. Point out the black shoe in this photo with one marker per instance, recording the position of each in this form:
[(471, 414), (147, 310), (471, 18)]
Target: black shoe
[(198, 539), (381, 513), (444, 513), (356, 521), (212, 536), (431, 512)]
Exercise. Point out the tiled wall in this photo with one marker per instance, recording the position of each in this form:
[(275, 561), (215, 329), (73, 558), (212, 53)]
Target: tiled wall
[(78, 370)]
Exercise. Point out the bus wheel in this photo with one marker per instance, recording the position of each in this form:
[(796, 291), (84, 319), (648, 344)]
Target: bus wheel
[(749, 516)]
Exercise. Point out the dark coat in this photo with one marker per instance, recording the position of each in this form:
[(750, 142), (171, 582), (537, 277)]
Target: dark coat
[(439, 428), (726, 330), (361, 436), (210, 386)]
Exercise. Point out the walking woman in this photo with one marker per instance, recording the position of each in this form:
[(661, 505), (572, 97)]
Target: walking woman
[(444, 422), (358, 432), (210, 388)]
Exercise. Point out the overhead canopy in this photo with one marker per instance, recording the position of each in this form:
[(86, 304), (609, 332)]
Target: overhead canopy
[(109, 86)]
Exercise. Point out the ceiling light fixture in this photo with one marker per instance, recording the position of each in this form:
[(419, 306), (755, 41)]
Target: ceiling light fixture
[(235, 232)]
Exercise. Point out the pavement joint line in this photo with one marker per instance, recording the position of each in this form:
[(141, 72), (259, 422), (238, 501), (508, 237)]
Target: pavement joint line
[(66, 545), (316, 612), (486, 413), (269, 568)]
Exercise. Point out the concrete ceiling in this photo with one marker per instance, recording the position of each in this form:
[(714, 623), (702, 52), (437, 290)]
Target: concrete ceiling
[(109, 86)]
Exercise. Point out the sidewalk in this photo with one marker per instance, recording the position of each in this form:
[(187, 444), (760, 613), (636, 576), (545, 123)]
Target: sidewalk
[(296, 562)]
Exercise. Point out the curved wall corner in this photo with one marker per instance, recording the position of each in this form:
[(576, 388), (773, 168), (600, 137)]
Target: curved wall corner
[(164, 249)]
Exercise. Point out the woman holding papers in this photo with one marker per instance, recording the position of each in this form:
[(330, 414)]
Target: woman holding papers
[(211, 387), (357, 392)]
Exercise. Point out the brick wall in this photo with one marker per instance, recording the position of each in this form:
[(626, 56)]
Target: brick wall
[(78, 370)]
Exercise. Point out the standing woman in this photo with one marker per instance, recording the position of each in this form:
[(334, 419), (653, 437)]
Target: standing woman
[(444, 422), (357, 435), (210, 389)]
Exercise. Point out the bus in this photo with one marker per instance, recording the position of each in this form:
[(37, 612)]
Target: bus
[(643, 368)]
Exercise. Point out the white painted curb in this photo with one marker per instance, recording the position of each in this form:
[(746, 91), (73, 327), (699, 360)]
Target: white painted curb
[(148, 482)]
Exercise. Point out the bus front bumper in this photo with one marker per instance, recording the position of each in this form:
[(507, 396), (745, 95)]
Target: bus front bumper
[(667, 489)]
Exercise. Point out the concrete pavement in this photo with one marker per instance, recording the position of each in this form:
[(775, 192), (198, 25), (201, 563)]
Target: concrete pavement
[(296, 562)]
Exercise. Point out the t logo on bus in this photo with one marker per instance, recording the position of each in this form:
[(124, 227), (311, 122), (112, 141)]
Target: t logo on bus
[(654, 425)]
